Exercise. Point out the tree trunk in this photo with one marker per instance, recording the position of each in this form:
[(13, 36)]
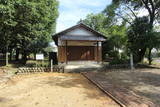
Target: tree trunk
[(34, 56), (17, 54), (139, 56), (24, 57), (149, 56), (142, 53)]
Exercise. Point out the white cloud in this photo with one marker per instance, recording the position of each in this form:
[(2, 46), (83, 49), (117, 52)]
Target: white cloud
[(71, 11)]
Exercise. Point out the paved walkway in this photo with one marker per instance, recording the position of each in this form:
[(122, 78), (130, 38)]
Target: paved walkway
[(123, 96)]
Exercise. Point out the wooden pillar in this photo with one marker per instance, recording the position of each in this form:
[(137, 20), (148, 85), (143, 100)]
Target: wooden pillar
[(97, 53), (100, 53), (66, 51), (59, 54)]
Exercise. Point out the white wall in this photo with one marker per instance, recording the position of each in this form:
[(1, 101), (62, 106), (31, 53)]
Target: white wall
[(80, 31)]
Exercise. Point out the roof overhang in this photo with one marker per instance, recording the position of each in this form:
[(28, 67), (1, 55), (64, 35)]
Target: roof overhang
[(77, 26), (99, 36)]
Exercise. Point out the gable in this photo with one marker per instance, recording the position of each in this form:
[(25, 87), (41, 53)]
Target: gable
[(80, 32)]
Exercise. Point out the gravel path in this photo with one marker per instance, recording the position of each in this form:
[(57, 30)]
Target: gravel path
[(52, 90)]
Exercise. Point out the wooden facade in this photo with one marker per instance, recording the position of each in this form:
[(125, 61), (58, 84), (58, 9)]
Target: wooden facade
[(79, 43)]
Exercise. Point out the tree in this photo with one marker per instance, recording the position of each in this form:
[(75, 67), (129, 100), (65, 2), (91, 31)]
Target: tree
[(95, 21), (138, 38), (134, 6), (116, 33), (153, 42), (39, 45), (7, 23), (121, 14), (25, 23), (40, 22), (128, 11)]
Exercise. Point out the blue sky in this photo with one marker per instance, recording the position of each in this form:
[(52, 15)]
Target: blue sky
[(71, 11)]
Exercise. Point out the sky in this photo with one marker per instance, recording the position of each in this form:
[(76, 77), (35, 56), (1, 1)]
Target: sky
[(71, 11)]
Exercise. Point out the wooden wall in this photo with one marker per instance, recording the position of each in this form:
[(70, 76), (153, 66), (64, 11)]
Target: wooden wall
[(98, 53), (62, 54)]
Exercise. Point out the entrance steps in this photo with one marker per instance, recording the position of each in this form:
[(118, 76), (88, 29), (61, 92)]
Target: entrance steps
[(82, 66)]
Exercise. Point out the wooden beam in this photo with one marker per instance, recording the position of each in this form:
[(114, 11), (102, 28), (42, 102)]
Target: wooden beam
[(97, 53), (66, 52)]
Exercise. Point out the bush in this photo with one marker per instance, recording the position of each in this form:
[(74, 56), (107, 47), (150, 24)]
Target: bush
[(118, 61), (114, 54)]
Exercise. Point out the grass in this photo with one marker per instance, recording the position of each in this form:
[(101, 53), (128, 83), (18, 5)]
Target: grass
[(14, 65), (29, 63), (34, 63)]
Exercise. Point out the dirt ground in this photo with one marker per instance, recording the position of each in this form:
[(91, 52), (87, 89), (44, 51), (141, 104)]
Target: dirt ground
[(144, 82), (52, 90)]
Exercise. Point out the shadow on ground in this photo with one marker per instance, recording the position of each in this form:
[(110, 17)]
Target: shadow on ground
[(145, 83), (75, 80)]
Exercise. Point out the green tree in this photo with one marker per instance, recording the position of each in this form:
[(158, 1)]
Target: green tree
[(39, 45), (153, 42), (116, 33), (134, 6), (128, 10), (7, 22), (95, 21), (140, 38), (25, 23)]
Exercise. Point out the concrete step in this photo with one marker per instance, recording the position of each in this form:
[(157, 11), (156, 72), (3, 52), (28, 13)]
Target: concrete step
[(82, 67)]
